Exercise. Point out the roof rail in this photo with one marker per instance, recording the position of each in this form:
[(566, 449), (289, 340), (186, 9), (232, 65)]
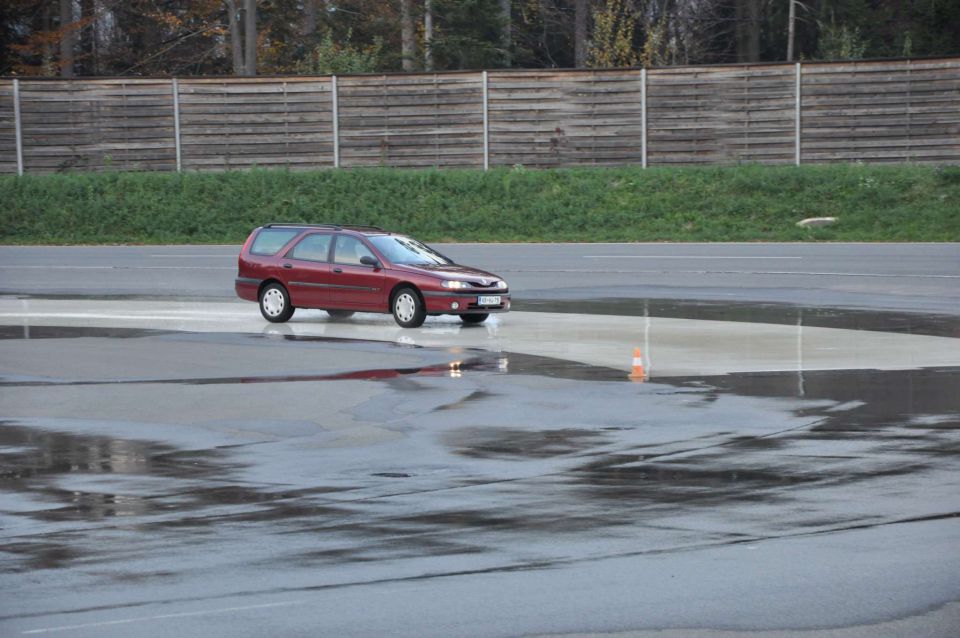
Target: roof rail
[(362, 227), (301, 225), (333, 226)]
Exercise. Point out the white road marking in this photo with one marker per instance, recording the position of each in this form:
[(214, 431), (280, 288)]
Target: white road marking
[(186, 614), (118, 267), (221, 256), (687, 257), (729, 272)]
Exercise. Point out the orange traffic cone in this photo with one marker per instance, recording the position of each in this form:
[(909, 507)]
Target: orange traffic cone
[(637, 373)]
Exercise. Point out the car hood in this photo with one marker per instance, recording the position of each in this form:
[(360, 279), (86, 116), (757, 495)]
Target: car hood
[(450, 271)]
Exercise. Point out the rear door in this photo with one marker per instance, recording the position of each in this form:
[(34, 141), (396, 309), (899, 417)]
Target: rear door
[(307, 269), (355, 285)]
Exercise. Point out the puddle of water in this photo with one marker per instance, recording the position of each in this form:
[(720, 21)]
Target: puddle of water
[(868, 396), (71, 296), (35, 460), (468, 359), (519, 443), (75, 332), (892, 425), (851, 319), (29, 453)]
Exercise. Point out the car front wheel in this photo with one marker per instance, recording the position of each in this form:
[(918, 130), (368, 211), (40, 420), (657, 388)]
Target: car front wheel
[(275, 304), (408, 309), (478, 318)]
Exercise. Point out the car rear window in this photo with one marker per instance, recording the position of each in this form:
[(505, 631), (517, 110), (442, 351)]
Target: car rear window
[(270, 240)]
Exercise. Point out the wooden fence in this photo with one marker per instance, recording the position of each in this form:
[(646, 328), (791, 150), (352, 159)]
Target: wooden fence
[(876, 111)]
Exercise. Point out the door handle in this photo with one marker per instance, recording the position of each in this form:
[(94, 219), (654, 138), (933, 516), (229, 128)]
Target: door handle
[(288, 265), (338, 270)]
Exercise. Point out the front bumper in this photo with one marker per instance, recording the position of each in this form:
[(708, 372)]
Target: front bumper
[(463, 303)]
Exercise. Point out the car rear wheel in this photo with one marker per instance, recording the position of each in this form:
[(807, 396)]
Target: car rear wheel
[(479, 318), (340, 314), (275, 304), (408, 309)]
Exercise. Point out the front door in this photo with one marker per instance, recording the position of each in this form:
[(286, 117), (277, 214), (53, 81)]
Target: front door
[(355, 285)]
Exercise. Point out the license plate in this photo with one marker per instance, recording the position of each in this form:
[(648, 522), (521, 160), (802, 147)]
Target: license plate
[(488, 301)]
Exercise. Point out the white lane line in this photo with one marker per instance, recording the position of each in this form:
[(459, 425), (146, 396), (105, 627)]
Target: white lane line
[(118, 267), (186, 614), (686, 257), (726, 272)]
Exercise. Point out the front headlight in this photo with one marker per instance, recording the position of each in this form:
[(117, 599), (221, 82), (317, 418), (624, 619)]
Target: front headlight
[(455, 284), (502, 285)]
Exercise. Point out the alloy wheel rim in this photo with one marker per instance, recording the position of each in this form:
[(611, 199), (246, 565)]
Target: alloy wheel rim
[(273, 302)]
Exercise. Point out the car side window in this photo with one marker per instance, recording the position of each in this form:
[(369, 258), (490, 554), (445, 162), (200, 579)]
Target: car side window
[(350, 250), (315, 247), (269, 241)]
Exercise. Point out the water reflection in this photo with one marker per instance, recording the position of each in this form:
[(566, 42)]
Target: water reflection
[(30, 452), (34, 460), (859, 428), (750, 312)]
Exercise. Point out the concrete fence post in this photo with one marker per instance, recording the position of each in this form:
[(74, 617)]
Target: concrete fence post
[(18, 123), (335, 101), (486, 122), (176, 123), (797, 117), (643, 117)]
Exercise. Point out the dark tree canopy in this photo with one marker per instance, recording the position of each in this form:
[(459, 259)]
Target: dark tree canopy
[(214, 37)]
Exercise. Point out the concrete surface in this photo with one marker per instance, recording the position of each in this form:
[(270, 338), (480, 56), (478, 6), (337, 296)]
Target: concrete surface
[(171, 464), (910, 277), (670, 347)]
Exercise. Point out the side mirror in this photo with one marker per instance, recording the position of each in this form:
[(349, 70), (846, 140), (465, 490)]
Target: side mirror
[(367, 260)]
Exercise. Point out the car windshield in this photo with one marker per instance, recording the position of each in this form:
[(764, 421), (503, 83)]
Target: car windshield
[(405, 250)]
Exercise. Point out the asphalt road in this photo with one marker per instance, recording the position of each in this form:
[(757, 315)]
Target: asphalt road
[(904, 277), (174, 467)]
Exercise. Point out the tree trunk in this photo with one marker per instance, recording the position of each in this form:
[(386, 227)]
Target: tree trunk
[(506, 37), (748, 30), (791, 29), (406, 36), (88, 38), (580, 43), (428, 35), (236, 37), (67, 38), (46, 62), (250, 37), (309, 25)]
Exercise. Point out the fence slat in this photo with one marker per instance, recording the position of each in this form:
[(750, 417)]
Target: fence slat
[(871, 111), (18, 123)]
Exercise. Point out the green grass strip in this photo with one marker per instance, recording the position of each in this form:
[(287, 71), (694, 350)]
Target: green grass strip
[(713, 204)]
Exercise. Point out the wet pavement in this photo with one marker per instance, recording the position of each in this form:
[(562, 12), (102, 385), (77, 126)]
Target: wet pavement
[(915, 278), (937, 325), (670, 346), (164, 472)]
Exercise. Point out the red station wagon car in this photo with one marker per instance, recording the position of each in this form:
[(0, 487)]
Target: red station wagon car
[(347, 269)]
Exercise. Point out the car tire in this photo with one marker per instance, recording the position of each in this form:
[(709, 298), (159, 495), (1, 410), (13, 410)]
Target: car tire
[(408, 309), (474, 319), (275, 303), (340, 314)]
